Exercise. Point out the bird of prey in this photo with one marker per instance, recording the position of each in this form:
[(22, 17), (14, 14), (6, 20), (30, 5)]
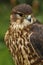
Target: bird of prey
[(24, 37)]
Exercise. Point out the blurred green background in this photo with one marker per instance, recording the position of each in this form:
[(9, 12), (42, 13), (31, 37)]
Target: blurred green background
[(5, 9)]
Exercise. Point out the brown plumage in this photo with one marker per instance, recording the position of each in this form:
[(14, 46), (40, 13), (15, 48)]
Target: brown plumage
[(23, 8), (23, 36)]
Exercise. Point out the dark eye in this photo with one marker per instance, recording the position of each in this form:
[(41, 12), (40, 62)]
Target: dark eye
[(21, 14)]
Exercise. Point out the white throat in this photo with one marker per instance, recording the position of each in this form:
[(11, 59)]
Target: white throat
[(16, 25)]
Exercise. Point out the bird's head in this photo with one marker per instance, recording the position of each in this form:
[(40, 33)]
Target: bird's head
[(22, 14)]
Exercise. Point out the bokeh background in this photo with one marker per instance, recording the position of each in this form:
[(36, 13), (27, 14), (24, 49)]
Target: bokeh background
[(5, 9)]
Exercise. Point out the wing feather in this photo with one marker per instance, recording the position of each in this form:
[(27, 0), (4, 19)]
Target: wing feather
[(37, 38)]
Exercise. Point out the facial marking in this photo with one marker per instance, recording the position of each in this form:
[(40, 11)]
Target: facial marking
[(22, 21), (18, 16)]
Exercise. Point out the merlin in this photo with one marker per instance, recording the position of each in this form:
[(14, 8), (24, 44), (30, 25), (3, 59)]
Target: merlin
[(24, 37)]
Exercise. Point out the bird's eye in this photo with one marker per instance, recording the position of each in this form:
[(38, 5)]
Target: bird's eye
[(21, 14)]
